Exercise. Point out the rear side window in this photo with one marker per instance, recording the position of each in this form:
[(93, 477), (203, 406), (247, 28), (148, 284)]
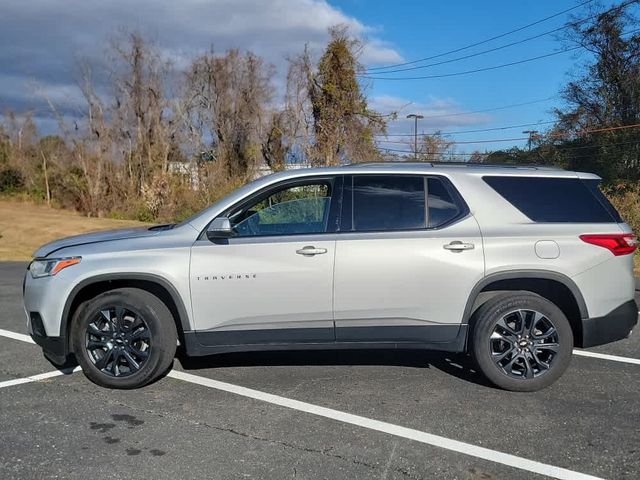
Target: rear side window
[(390, 202), (558, 200), (442, 206)]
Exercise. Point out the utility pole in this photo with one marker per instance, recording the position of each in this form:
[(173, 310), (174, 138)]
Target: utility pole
[(415, 117), (532, 136)]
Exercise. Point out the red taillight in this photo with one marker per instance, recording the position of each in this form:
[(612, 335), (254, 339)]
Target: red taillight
[(616, 243)]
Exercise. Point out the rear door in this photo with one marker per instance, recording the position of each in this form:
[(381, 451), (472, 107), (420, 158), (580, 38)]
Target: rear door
[(407, 257)]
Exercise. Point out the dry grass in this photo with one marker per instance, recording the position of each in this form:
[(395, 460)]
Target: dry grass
[(26, 226)]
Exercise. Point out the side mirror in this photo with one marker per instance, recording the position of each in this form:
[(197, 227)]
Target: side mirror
[(219, 228)]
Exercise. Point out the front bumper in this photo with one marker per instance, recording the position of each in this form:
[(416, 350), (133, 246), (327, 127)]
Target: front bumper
[(616, 325), (43, 300), (54, 348)]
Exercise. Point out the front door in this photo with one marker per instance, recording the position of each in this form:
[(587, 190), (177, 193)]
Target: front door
[(405, 269), (271, 282)]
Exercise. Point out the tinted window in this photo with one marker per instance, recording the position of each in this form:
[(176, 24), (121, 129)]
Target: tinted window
[(592, 185), (442, 207), (551, 199), (293, 210), (388, 202)]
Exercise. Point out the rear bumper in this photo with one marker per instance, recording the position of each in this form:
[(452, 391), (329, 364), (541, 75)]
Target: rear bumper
[(616, 325)]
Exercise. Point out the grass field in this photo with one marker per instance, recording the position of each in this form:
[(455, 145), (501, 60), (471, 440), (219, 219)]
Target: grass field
[(26, 226)]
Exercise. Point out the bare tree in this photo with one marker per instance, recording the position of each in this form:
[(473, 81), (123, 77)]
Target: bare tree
[(228, 97)]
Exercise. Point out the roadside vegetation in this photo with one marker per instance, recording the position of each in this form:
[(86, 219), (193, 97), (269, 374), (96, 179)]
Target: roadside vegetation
[(152, 141), (24, 226)]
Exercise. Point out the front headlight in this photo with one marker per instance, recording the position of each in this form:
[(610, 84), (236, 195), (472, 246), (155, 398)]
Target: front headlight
[(45, 267)]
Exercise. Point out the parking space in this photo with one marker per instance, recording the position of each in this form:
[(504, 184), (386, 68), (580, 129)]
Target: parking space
[(412, 408), (18, 360)]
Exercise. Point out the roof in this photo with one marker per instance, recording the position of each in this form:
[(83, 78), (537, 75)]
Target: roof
[(445, 168)]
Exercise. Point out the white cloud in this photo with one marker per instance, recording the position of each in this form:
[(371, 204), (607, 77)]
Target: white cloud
[(378, 52), (41, 40), (439, 113)]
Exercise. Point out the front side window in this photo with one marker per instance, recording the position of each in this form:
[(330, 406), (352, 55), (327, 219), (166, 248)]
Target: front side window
[(388, 202), (293, 210)]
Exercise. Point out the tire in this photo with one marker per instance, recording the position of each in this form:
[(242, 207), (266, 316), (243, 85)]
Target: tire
[(527, 364), (120, 329)]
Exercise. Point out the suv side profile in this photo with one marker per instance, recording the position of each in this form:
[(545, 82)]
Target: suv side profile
[(513, 265)]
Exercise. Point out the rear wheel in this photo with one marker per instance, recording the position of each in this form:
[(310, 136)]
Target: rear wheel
[(521, 341), (124, 338)]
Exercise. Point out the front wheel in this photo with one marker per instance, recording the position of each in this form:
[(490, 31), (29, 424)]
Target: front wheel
[(521, 341), (124, 338)]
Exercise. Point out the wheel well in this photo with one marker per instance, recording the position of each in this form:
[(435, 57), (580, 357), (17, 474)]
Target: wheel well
[(554, 291), (94, 289)]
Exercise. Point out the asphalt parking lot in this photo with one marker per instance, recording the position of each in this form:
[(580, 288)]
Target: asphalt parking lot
[(377, 414)]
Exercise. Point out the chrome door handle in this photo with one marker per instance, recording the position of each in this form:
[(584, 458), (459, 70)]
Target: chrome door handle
[(310, 251), (457, 246)]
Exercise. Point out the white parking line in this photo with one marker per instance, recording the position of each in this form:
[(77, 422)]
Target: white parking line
[(16, 336), (36, 378), (604, 356), (389, 428)]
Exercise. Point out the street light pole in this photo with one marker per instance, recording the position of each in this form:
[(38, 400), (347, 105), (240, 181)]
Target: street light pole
[(532, 135), (415, 117)]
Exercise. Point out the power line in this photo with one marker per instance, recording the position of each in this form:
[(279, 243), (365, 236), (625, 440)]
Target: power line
[(508, 127), (494, 67), (549, 135), (562, 149), (477, 70), (471, 55), (598, 146), (484, 110), (483, 41), (518, 42), (494, 109)]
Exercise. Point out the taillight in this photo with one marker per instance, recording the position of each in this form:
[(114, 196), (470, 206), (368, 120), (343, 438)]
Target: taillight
[(616, 243)]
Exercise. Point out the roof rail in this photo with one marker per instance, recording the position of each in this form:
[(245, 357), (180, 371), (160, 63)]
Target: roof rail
[(384, 164), (529, 166)]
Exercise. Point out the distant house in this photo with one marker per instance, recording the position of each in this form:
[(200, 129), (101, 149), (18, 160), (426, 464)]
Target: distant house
[(187, 169)]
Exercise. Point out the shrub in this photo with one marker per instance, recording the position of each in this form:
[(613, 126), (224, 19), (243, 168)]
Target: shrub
[(11, 180), (626, 198)]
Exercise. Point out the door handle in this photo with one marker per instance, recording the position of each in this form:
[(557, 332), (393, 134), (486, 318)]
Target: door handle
[(310, 251), (458, 246)]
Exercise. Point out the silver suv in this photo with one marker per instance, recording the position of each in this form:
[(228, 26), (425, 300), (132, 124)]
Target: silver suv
[(512, 265)]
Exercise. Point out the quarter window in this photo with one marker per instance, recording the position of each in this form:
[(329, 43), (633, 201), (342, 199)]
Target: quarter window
[(442, 207), (558, 200), (388, 202)]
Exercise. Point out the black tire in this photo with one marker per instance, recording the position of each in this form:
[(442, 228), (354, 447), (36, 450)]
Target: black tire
[(530, 363), (151, 331)]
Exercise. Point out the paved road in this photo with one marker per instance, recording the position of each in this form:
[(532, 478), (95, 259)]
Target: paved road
[(66, 427)]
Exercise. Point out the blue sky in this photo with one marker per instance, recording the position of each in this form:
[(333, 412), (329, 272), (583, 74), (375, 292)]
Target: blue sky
[(418, 29), (40, 44)]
